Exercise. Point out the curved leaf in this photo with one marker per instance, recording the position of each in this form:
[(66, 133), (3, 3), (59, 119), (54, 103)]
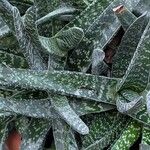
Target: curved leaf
[(62, 107), (76, 84), (63, 136), (128, 46), (139, 63), (128, 137)]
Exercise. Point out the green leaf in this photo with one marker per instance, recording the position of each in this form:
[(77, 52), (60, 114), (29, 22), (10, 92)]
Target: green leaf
[(128, 46), (104, 128), (13, 60), (142, 6), (98, 29), (34, 133), (4, 121), (63, 136), (83, 107), (79, 58), (131, 102), (145, 143), (4, 30), (56, 13), (141, 115), (125, 16), (81, 85), (6, 12), (62, 42), (148, 102), (140, 63), (129, 135), (99, 67), (29, 47), (29, 107), (62, 107)]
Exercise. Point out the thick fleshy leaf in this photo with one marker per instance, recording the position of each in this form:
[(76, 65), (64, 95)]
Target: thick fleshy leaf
[(125, 17), (142, 6), (63, 136), (33, 108), (145, 143), (12, 60), (4, 121), (129, 135), (4, 92), (58, 12), (63, 41), (34, 133), (83, 107), (4, 30), (99, 67), (139, 63), (129, 103), (104, 128), (141, 115), (45, 7), (28, 46), (85, 20), (148, 102), (87, 86), (128, 46), (6, 12), (22, 5), (62, 107), (99, 30)]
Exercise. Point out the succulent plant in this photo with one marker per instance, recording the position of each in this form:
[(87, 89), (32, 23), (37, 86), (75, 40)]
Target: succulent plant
[(74, 75)]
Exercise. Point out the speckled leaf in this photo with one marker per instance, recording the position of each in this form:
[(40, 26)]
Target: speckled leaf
[(22, 5), (4, 30), (141, 115), (56, 13), (62, 42), (62, 107), (63, 136), (12, 60), (128, 46), (4, 121), (139, 63), (10, 44), (34, 133), (129, 103), (148, 102), (32, 108), (82, 107), (4, 92), (142, 6), (103, 130), (85, 22), (48, 6), (99, 67), (6, 12), (125, 16), (99, 30), (28, 46), (129, 135), (145, 143), (87, 86)]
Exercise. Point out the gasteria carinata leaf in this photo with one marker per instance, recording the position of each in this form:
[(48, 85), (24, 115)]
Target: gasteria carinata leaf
[(64, 82), (128, 46), (62, 107), (74, 75), (128, 136), (125, 17), (63, 135), (145, 144)]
